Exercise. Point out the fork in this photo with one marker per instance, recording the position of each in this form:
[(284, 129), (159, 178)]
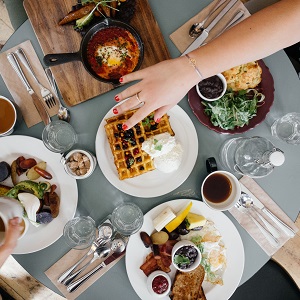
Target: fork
[(268, 235), (46, 94)]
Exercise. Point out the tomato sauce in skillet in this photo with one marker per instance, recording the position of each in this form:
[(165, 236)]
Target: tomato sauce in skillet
[(113, 52)]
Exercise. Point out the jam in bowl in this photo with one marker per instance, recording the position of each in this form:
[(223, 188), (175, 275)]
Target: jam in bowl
[(159, 284)]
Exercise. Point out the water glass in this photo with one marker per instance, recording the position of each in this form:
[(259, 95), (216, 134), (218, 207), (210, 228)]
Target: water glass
[(59, 136), (80, 232), (127, 218), (287, 128)]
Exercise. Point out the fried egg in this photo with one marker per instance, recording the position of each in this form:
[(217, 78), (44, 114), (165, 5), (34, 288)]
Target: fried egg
[(112, 56)]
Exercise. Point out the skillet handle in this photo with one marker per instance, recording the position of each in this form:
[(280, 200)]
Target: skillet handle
[(60, 58)]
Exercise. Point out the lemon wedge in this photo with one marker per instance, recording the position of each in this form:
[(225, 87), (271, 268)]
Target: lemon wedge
[(180, 216)]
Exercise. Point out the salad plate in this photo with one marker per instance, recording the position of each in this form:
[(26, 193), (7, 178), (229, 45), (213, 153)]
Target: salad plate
[(38, 238), (136, 251), (153, 183), (266, 87)]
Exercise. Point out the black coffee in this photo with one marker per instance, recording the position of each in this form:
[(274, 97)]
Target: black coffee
[(217, 188)]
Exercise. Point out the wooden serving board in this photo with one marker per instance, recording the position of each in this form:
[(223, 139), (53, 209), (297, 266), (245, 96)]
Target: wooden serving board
[(74, 82)]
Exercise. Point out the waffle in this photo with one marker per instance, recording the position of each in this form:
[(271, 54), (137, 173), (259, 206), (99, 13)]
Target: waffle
[(126, 146)]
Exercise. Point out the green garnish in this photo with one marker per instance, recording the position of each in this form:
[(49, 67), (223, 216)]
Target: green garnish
[(180, 259), (234, 109), (158, 147)]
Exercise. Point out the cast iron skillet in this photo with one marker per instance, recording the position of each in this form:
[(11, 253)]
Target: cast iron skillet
[(61, 58)]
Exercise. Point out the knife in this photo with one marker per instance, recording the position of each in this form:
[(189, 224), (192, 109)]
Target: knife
[(77, 283), (287, 229), (36, 100), (203, 36)]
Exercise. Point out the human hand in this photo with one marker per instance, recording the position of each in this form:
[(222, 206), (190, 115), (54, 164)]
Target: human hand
[(13, 233), (161, 86)]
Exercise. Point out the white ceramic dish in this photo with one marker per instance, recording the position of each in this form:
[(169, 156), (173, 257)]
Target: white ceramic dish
[(150, 279), (221, 95), (37, 238), (136, 251), (154, 183), (181, 244)]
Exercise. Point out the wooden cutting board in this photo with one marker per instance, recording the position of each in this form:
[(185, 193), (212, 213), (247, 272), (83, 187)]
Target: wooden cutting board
[(74, 82)]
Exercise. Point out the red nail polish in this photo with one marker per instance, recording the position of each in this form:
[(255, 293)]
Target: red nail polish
[(121, 79), (115, 111), (117, 98), (157, 120), (124, 127)]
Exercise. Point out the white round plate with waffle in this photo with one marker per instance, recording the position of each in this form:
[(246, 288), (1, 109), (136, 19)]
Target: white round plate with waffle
[(153, 183)]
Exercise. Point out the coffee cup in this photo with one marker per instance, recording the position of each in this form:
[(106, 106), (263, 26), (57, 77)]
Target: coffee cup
[(10, 208), (8, 116), (220, 190)]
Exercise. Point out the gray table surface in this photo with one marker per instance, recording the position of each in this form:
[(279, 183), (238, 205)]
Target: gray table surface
[(97, 197)]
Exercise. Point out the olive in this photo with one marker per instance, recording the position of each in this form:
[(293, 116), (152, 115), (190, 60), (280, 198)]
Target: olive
[(197, 228), (5, 170), (181, 229)]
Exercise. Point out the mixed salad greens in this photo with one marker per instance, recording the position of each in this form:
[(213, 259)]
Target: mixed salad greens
[(234, 109)]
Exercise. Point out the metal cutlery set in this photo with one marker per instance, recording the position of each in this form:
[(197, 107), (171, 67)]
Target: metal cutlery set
[(107, 247), (251, 206), (48, 99), (201, 30)]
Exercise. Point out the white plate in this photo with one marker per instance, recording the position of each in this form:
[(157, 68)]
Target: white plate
[(136, 252), (154, 183), (11, 147)]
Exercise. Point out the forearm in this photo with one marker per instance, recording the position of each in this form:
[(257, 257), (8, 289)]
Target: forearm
[(5, 252), (260, 35)]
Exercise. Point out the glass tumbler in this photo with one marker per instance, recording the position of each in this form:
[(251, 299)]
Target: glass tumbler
[(287, 128), (80, 232), (127, 218), (59, 136)]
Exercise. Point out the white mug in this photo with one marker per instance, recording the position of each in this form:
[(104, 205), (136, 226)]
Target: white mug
[(220, 190), (10, 208)]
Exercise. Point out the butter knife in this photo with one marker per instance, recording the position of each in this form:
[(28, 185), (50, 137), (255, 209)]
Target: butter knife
[(77, 283), (36, 100), (203, 36), (284, 227)]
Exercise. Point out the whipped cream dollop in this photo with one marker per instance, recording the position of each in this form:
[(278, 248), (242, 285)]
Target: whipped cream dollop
[(165, 151)]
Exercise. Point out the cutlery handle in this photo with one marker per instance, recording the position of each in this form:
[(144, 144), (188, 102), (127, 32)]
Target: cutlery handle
[(77, 283), (69, 271), (14, 63), (287, 229), (25, 61), (51, 81), (273, 241), (72, 276), (269, 226)]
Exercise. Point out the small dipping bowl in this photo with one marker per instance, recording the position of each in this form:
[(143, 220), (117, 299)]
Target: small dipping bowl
[(212, 88), (159, 284), (186, 247), (79, 164)]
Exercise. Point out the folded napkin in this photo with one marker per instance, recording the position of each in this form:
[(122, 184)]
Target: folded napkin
[(181, 37), (246, 222), (18, 90)]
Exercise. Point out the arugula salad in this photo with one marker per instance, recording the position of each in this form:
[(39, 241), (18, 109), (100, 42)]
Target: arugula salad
[(234, 109)]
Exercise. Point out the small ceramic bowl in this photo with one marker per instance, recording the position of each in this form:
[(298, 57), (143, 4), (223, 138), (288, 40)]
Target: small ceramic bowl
[(220, 95), (79, 164), (186, 245), (12, 116), (159, 284)]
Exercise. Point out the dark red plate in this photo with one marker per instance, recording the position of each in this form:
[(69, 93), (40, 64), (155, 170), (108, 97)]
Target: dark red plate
[(267, 88)]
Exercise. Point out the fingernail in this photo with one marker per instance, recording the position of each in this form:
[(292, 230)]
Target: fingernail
[(121, 79), (115, 111), (124, 127), (157, 120), (117, 98)]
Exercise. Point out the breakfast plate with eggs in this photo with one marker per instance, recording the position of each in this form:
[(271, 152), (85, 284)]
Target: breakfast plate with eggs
[(42, 236), (153, 183), (221, 247)]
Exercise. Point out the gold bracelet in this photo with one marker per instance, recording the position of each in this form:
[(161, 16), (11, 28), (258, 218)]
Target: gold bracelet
[(193, 63)]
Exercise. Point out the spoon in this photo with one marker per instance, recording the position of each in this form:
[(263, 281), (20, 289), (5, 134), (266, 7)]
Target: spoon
[(100, 252), (118, 246), (247, 202), (63, 112)]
